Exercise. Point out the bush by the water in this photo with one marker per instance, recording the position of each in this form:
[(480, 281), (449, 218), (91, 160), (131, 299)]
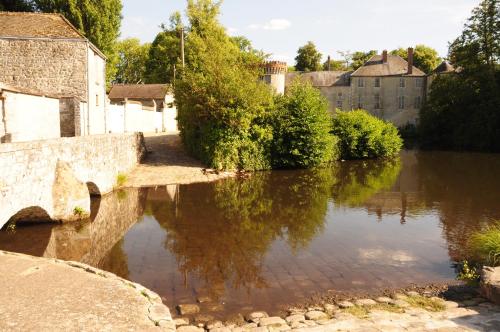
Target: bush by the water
[(301, 129), (362, 135), (485, 246)]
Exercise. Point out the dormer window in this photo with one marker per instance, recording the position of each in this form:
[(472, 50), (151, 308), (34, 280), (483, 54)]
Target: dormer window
[(377, 82)]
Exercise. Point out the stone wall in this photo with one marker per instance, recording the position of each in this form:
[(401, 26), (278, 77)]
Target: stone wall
[(70, 116), (45, 175), (54, 67)]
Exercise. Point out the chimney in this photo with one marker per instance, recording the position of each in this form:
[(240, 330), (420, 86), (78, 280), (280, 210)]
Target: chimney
[(410, 60), (384, 56), (329, 64)]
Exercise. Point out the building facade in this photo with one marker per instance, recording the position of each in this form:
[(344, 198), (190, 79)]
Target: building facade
[(45, 53), (387, 86)]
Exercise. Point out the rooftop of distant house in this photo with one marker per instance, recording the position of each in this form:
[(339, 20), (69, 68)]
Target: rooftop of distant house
[(387, 65), (139, 91), (39, 26)]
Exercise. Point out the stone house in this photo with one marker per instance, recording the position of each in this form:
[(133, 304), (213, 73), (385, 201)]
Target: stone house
[(387, 86), (46, 53)]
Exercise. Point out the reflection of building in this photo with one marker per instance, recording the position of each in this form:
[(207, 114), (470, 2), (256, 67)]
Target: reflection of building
[(387, 86)]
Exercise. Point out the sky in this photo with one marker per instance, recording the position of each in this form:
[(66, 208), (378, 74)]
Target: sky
[(280, 27)]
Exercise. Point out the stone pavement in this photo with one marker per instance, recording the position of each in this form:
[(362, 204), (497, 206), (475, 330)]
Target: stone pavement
[(168, 163), (39, 294)]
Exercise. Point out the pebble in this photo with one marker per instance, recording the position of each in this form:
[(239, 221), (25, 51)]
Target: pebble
[(399, 296), (385, 299), (296, 311), (256, 316), (190, 329), (203, 319), (297, 325), (316, 315), (259, 329), (188, 309), (412, 293), (181, 321), (272, 321), (330, 309), (295, 318), (450, 304), (214, 325), (345, 304), (249, 326), (316, 308), (310, 323), (365, 302), (221, 329)]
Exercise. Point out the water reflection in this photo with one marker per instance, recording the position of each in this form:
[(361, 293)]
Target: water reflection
[(277, 237)]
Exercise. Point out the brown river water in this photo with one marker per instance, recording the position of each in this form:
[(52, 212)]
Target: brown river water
[(278, 237)]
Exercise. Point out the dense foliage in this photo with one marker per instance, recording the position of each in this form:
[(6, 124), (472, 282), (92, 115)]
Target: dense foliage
[(363, 135), (308, 58), (425, 58), (360, 58), (301, 126), (463, 109), (221, 102), (132, 56), (165, 53)]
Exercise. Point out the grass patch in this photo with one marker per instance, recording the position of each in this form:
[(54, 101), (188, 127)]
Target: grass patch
[(388, 307), (426, 303), (485, 245), (357, 311), (79, 211), (121, 179)]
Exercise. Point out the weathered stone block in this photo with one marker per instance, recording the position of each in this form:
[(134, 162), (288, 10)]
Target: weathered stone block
[(490, 284)]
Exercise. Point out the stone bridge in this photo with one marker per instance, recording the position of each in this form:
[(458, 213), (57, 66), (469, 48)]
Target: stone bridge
[(53, 179)]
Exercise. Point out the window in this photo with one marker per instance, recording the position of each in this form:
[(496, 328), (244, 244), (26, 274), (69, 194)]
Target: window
[(401, 100), (360, 102), (377, 101), (361, 83), (339, 104), (377, 82), (402, 82), (418, 102), (418, 83)]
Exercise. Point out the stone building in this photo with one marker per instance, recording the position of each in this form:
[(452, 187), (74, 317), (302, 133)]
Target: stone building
[(45, 53), (387, 86), (274, 75)]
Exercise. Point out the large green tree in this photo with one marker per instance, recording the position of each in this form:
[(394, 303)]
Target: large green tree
[(99, 21), (16, 5), (221, 102), (165, 52), (463, 109), (425, 58), (308, 58), (132, 57)]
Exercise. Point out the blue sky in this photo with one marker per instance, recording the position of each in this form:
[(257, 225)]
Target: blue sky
[(281, 27)]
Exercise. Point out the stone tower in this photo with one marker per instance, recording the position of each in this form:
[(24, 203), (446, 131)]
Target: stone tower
[(274, 75)]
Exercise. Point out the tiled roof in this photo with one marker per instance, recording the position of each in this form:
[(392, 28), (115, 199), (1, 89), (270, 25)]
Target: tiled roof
[(395, 66), (321, 78), (139, 91), (444, 67), (37, 25)]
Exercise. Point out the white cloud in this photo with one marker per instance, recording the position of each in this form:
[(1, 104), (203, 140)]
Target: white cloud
[(274, 24), (232, 31)]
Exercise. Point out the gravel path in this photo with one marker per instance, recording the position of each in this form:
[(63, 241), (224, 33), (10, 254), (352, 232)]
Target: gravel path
[(168, 163)]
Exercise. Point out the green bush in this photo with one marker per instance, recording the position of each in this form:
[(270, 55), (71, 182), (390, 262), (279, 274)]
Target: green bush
[(365, 136), (485, 245), (301, 129)]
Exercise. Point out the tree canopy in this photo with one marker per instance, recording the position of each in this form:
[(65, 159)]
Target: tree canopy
[(308, 58), (132, 58), (425, 58), (360, 58), (463, 109)]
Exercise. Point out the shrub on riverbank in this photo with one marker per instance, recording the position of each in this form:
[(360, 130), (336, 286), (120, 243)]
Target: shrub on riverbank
[(364, 136), (301, 129), (485, 246)]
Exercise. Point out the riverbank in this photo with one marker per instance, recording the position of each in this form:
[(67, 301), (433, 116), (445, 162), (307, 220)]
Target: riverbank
[(168, 163)]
